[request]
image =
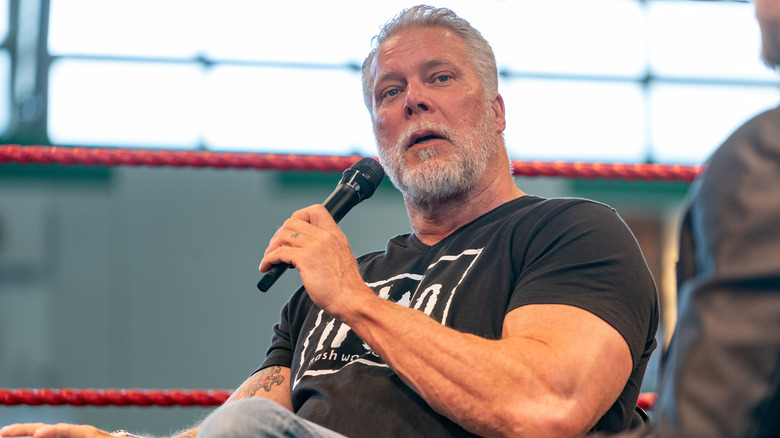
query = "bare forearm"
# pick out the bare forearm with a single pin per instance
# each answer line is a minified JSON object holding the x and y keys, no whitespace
{"x":464,"y":377}
{"x":517,"y":385}
{"x":271,"y":382}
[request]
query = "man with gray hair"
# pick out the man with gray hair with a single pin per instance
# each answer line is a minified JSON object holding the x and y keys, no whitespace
{"x":501,"y":314}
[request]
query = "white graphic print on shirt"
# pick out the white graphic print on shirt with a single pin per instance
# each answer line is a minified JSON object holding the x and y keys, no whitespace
{"x":332,"y":345}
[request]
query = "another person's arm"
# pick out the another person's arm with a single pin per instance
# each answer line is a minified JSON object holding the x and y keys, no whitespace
{"x":722,"y":371}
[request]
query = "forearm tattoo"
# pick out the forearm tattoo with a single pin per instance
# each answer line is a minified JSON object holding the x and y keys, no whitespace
{"x":265,"y":379}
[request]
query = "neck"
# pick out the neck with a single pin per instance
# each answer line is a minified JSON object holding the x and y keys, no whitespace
{"x":435,"y":220}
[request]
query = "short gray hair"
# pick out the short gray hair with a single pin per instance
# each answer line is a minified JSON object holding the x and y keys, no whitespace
{"x":484,"y":61}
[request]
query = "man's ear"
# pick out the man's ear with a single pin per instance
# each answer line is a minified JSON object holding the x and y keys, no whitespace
{"x":498,"y":110}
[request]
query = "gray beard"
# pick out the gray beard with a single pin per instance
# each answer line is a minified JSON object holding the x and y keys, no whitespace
{"x":436,"y":178}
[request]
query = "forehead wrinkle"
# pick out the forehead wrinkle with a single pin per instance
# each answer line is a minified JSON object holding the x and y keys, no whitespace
{"x":438,"y":62}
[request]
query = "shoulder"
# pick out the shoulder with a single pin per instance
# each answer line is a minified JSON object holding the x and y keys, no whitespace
{"x":752,"y":146}
{"x":745,"y":170}
{"x":539,"y":209}
{"x":573,"y":212}
{"x":733,"y":207}
{"x":537,"y":224}
{"x":552,"y":206}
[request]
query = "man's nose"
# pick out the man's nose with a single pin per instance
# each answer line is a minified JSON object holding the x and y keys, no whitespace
{"x":418,"y":100}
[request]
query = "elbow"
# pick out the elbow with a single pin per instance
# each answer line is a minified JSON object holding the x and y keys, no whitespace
{"x":554,"y":418}
{"x":560,"y":425}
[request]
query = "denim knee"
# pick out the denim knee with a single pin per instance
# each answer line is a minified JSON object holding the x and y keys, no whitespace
{"x":259,"y":418}
{"x":252,"y":417}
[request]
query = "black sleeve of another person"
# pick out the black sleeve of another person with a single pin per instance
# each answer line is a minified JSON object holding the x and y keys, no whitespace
{"x":720,"y":375}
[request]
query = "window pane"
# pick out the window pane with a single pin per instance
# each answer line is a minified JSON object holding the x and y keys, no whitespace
{"x":597,"y":37}
{"x":286,"y":110}
{"x":281,"y":32}
{"x":5,"y":98}
{"x":143,"y":28}
{"x":574,"y":120}
{"x":124,"y":104}
{"x":705,"y":39}
{"x":689,"y":122}
{"x":3,"y":20}
{"x":320,"y":110}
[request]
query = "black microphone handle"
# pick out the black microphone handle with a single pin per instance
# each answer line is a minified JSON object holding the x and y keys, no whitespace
{"x":338,"y":204}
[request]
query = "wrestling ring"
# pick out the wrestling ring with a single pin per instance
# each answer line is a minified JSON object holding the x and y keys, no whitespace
{"x":93,"y":156}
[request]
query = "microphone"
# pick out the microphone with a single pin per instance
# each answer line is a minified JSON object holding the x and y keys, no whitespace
{"x":357,"y":184}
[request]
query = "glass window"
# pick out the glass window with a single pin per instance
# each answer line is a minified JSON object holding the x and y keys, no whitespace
{"x":289,"y":110}
{"x":5,"y":70}
{"x":574,"y":120}
{"x":5,"y":98}
{"x":690,"y":121}
{"x":124,"y":104}
{"x":573,"y":37}
{"x":705,"y":40}
{"x":327,"y":33}
{"x":3,"y":20}
{"x":594,"y":80}
{"x":137,"y":28}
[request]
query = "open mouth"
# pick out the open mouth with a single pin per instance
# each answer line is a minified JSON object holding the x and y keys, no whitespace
{"x":424,"y":137}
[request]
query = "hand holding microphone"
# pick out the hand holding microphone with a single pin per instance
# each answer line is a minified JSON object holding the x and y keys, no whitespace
{"x":357,"y":184}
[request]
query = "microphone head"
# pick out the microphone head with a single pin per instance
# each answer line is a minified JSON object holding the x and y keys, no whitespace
{"x":364,"y":176}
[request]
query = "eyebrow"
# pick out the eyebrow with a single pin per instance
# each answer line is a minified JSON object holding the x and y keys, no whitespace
{"x":427,"y":65}
{"x":438,"y":62}
{"x":385,"y":76}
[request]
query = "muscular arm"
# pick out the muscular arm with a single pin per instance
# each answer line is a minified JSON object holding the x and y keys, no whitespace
{"x":543,"y":378}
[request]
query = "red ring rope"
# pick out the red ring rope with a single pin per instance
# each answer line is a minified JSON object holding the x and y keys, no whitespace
{"x":158,"y":157}
{"x":148,"y":397}
{"x":119,"y":397}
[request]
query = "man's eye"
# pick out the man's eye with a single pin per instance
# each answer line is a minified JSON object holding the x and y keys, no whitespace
{"x":391,"y":93}
{"x":442,"y":78}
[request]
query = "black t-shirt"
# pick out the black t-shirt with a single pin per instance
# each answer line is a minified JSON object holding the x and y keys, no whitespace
{"x":528,"y":251}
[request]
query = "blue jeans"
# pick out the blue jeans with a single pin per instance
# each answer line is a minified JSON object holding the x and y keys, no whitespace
{"x":258,"y":417}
